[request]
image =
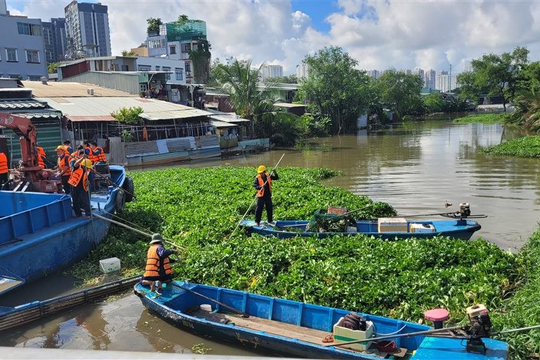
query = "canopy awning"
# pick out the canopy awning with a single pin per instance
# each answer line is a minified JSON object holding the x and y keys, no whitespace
{"x":222,"y":124}
{"x":173,"y":114}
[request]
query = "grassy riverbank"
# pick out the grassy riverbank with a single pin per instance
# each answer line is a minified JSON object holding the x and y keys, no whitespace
{"x":528,"y":146}
{"x":482,"y":119}
{"x":199,"y":208}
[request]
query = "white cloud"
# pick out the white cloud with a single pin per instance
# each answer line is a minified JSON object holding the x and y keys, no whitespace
{"x":379,"y":34}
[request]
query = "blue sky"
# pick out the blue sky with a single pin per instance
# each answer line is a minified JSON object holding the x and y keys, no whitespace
{"x":318,"y":10}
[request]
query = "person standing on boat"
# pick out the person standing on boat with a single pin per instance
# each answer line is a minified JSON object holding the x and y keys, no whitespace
{"x":4,"y":169}
{"x":97,"y":154}
{"x":80,"y":185}
{"x":67,"y":145}
{"x":263,"y":184}
{"x":64,"y":167}
{"x":158,"y":265}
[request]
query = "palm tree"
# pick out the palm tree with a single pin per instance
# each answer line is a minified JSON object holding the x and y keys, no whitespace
{"x":527,"y":114}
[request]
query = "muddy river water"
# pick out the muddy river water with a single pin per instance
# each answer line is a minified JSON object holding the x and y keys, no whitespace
{"x":416,"y":168}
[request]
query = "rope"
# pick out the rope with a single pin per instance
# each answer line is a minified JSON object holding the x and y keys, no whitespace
{"x":255,"y":198}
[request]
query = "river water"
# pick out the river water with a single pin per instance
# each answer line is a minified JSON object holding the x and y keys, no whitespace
{"x":416,"y":168}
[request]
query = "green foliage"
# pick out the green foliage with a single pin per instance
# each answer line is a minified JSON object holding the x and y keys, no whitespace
{"x":128,"y":115}
{"x":482,"y":119}
{"x":52,"y":68}
{"x":400,"y":92}
{"x":282,"y":128}
{"x":126,"y":136}
{"x":199,"y":208}
{"x":128,"y":53}
{"x":153,"y":25}
{"x":200,"y":57}
{"x":311,"y":127}
{"x":522,"y":308}
{"x":433,"y":103}
{"x":522,"y":147}
{"x":290,"y":79}
{"x":527,"y":114}
{"x":335,"y":89}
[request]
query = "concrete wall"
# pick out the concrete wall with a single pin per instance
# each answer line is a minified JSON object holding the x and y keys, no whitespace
{"x":119,"y":81}
{"x":10,"y":38}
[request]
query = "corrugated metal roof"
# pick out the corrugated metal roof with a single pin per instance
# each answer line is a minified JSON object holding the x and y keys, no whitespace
{"x":42,"y":115}
{"x":100,"y":108}
{"x":226,"y":117}
{"x":70,"y":89}
{"x":222,"y":124}
{"x":21,"y":104}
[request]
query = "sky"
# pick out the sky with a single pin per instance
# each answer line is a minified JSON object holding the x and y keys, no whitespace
{"x":379,"y":34}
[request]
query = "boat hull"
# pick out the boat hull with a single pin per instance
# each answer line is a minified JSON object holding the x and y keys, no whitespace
{"x":458,"y":229}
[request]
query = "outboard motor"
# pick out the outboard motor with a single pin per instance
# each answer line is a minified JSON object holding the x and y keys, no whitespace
{"x":465,"y":210}
{"x":479,"y":327}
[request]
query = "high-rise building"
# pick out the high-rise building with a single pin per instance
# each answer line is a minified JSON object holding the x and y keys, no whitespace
{"x":302,"y":71}
{"x":374,"y":74}
{"x":419,"y":72}
{"x":430,"y":77}
{"x":54,"y":35}
{"x":87,"y":30}
{"x":271,"y":71}
{"x":3,"y":7}
{"x":446,"y":82}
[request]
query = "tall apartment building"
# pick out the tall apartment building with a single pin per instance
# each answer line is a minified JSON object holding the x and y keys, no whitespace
{"x":446,"y":82}
{"x":302,"y":71}
{"x":419,"y":72}
{"x":54,"y":35}
{"x":176,"y":40}
{"x":375,"y":74}
{"x":87,"y":30}
{"x":271,"y":71}
{"x":22,"y":51}
{"x":430,"y":77}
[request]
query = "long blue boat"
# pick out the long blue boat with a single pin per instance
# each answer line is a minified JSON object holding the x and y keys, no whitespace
{"x":293,"y":328}
{"x":459,"y":229}
{"x":39,"y":233}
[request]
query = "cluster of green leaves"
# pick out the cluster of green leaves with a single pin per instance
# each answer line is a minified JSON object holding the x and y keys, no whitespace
{"x":447,"y":103}
{"x":198,"y":209}
{"x":128,"y":115}
{"x":482,"y":119}
{"x":528,"y":146}
{"x":401,"y":92}
{"x":153,"y":25}
{"x":522,"y":308}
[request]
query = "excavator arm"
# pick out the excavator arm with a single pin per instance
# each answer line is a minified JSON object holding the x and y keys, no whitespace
{"x":27,"y":138}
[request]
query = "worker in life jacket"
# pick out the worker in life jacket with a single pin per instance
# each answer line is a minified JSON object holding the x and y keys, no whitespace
{"x":158,"y":265}
{"x":41,"y":157}
{"x":97,"y":154}
{"x":67,"y":145}
{"x":80,"y":184}
{"x":263,"y":184}
{"x":4,"y":170}
{"x":64,"y":167}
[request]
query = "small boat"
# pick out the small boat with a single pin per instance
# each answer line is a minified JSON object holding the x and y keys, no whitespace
{"x":39,"y":233}
{"x":459,"y":229}
{"x":292,"y":328}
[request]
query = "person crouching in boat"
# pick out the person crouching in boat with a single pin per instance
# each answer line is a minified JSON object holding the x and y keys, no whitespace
{"x":158,"y":265}
{"x":263,"y":184}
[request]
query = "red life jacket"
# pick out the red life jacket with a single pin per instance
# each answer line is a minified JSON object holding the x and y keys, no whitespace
{"x":3,"y":163}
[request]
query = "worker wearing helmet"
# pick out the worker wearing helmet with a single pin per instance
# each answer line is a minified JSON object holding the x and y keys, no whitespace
{"x":80,"y":185}
{"x":263,"y":184}
{"x":64,"y":167}
{"x":158,"y":265}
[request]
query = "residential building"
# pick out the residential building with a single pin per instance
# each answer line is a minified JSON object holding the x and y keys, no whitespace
{"x":22,"y":51}
{"x":142,"y":50}
{"x":430,"y":77}
{"x":446,"y":82}
{"x":375,"y":74}
{"x":419,"y":72}
{"x":87,"y":30}
{"x":271,"y":71}
{"x":302,"y":71}
{"x":177,"y":41}
{"x":54,"y":35}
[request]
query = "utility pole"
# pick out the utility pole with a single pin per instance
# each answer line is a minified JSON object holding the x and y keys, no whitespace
{"x":450,"y":80}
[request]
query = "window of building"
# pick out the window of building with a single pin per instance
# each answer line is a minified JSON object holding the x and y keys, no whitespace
{"x":156,"y":44}
{"x":143,"y":87}
{"x":188,"y":67}
{"x":34,"y":77}
{"x":186,"y":47}
{"x":167,"y":76}
{"x":144,"y":68}
{"x":14,"y":76}
{"x":32,"y":56}
{"x":158,"y":68}
{"x":11,"y":55}
{"x":172,"y":49}
{"x":29,"y":29}
{"x":179,"y":73}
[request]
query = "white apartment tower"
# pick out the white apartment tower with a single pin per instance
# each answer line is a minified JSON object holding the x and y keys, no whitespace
{"x":87,"y":29}
{"x":271,"y":71}
{"x":302,"y":71}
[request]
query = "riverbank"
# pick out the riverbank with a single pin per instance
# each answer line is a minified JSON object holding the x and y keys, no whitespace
{"x":498,"y":118}
{"x":199,"y":208}
{"x":528,"y":146}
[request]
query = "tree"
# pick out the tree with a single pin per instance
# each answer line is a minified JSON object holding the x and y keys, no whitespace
{"x":52,"y":68}
{"x":153,"y":25}
{"x":128,"y":115}
{"x":128,"y":53}
{"x":290,"y":79}
{"x":335,"y":89}
{"x":433,"y":103}
{"x":200,"y":57}
{"x":401,"y":92}
{"x":495,"y":75}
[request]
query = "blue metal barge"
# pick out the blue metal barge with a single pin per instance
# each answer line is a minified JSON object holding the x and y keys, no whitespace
{"x":39,"y":234}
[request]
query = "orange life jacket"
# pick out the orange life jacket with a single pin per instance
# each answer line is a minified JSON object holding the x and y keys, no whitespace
{"x":3,"y":163}
{"x":260,"y":193}
{"x":91,"y":156}
{"x":77,"y":176}
{"x":41,"y":156}
{"x":99,"y":157}
{"x":153,"y":263}
{"x":63,"y":167}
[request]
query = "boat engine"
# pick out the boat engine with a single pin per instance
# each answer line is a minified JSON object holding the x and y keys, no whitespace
{"x":479,"y":327}
{"x":465,"y":210}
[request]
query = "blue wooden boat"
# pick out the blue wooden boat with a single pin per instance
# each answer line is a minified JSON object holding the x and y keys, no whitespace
{"x":292,"y":328}
{"x":459,"y":229}
{"x":39,"y":233}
